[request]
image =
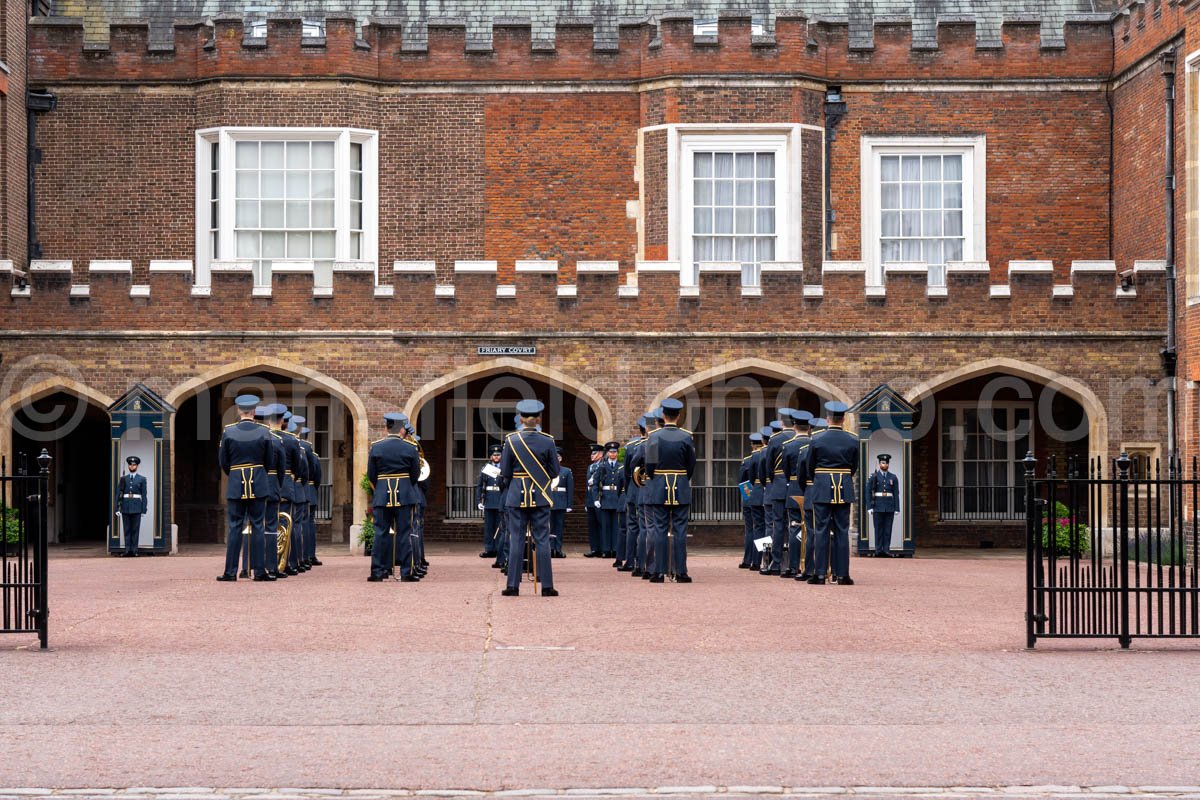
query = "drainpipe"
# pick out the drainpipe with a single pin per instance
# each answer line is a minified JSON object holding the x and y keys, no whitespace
{"x":1169,"y":355}
{"x":36,"y":102}
{"x":835,"y":110}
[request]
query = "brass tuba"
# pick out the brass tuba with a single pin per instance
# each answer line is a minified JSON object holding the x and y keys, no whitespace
{"x":425,"y":470}
{"x":639,"y":476}
{"x":283,"y":543}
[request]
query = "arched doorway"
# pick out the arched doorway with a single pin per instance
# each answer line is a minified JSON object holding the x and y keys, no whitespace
{"x":205,"y":405}
{"x":459,"y":415}
{"x":973,"y":427}
{"x":723,"y":406}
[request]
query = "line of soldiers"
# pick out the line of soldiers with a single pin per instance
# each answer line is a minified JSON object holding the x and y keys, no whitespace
{"x":394,"y":468}
{"x":273,"y":474}
{"x":797,"y":487}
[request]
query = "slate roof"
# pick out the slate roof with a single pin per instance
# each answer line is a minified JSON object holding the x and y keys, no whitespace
{"x":478,"y":15}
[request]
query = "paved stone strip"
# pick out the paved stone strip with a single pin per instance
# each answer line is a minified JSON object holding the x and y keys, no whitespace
{"x":675,"y":792}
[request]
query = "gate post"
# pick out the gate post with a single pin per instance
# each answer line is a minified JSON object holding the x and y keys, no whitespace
{"x":1030,"y":532}
{"x":40,"y":555}
{"x":1123,"y":528}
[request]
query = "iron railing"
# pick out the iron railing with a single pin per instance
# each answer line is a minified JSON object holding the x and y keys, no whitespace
{"x":460,"y":503}
{"x":957,"y":503}
{"x":325,"y":502}
{"x":1111,"y":552}
{"x":23,"y":544}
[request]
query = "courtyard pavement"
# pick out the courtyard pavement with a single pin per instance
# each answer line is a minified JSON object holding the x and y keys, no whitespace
{"x":159,"y":676}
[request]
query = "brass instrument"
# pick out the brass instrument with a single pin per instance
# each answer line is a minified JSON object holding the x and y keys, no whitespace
{"x":425,"y":470}
{"x":640,"y":477}
{"x":283,"y":542}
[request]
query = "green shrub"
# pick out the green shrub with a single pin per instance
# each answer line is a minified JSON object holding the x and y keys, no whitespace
{"x":1061,"y":546}
{"x":366,"y":536}
{"x":12,"y":526}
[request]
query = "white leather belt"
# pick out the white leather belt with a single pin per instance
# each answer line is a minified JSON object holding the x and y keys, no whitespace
{"x":561,"y":489}
{"x":610,"y":488}
{"x":883,"y":494}
{"x":492,"y":489}
{"x":130,"y":496}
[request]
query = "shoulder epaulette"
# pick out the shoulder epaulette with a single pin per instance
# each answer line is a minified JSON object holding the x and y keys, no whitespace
{"x":543,"y":433}
{"x":747,"y":458}
{"x":231,"y":425}
{"x":685,"y":430}
{"x":377,"y":441}
{"x":275,"y":433}
{"x":508,"y":436}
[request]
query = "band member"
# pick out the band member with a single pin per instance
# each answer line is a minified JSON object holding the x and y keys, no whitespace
{"x":314,"y":483}
{"x":393,"y":466}
{"x":300,"y":504}
{"x":775,"y":483}
{"x":421,"y":563}
{"x":758,"y":510}
{"x":275,"y":477}
{"x":883,"y":501}
{"x":244,"y":456}
{"x":528,"y":465}
{"x":591,"y":497}
{"x":747,"y":483}
{"x":799,"y":527}
{"x":815,"y":426}
{"x":670,"y":461}
{"x":490,"y":501}
{"x":131,"y":505}
{"x":610,"y":476}
{"x":563,"y":496}
{"x":502,"y":539}
{"x":291,"y":493}
{"x":654,"y":422}
{"x":633,"y":504}
{"x":833,"y":463}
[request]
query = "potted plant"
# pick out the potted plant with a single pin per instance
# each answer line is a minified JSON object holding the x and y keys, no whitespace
{"x":10,"y":542}
{"x":366,"y":534}
{"x":1057,"y":538}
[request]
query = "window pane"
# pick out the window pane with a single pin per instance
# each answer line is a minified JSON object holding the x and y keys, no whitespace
{"x":890,"y":250}
{"x":745,"y":193}
{"x":932,"y":195}
{"x":323,"y":245}
{"x":247,"y":214}
{"x":322,"y":185}
{"x":954,"y":249}
{"x":890,"y":223}
{"x":298,"y":245}
{"x":744,"y":251}
{"x":297,"y":186}
{"x":910,"y":223}
{"x":702,"y":220}
{"x":703,"y":165}
{"x":910,"y":250}
{"x":745,"y":165}
{"x":356,"y":245}
{"x":297,"y":214}
{"x":889,"y":168}
{"x":911,"y":195}
{"x":766,"y":249}
{"x":702,"y":245}
{"x":766,"y":165}
{"x":952,"y":195}
{"x":356,"y":217}
{"x":356,"y":155}
{"x":953,"y":221}
{"x":766,"y":220}
{"x":247,"y":155}
{"x":766,"y":193}
{"x":322,"y":155}
{"x":272,"y":214}
{"x":322,"y":214}
{"x":723,"y":220}
{"x":724,"y":193}
{"x":272,"y":245}
{"x":272,"y":184}
{"x":931,"y":223}
{"x":889,"y":195}
{"x":931,"y":251}
{"x":910,"y":168}
{"x":724,"y":165}
{"x":247,"y":245}
{"x":356,"y":185}
{"x":702,"y":193}
{"x":931,"y":168}
{"x":297,"y":155}
{"x":745,"y":220}
{"x":952,"y":168}
{"x":247,"y":184}
{"x":723,"y":249}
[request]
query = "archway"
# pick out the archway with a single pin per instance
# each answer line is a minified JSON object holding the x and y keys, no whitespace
{"x":333,"y":411}
{"x":70,"y":420}
{"x":460,"y":414}
{"x":974,"y":426}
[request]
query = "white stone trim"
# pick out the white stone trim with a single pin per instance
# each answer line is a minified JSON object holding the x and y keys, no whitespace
{"x":81,"y":290}
{"x":201,"y":291}
{"x":905,"y":268}
{"x":1150,"y":266}
{"x":1093,"y":267}
{"x":936,"y":292}
{"x":100,"y":265}
{"x":166,"y":265}
{"x":545,"y":267}
{"x":385,"y":291}
{"x":1000,"y":290}
{"x":6,"y":265}
{"x":720,"y":267}
{"x":627,"y":291}
{"x":843,"y":266}
{"x":1062,"y":291}
{"x":597,"y":267}
{"x":782,"y":267}
{"x":689,"y":292}
{"x":356,"y":267}
{"x":875,"y":290}
{"x":506,"y":290}
{"x":246,"y":267}
{"x":567,"y":290}
{"x":1030,"y":268}
{"x":45,"y":265}
{"x":657,"y":266}
{"x":21,"y":291}
{"x":1125,"y":294}
{"x":814,"y":290}
{"x":322,"y":291}
{"x":475,"y":266}
{"x":292,"y":265}
{"x":260,"y":291}
{"x":443,"y":290}
{"x":414,"y":267}
{"x":751,"y":291}
{"x":968,"y":268}
{"x":139,"y":290}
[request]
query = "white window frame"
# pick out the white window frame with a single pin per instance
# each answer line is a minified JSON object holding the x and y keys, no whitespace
{"x":471,"y":406}
{"x":1014,"y":467}
{"x":227,"y":138}
{"x":973,"y":149}
{"x":685,"y":140}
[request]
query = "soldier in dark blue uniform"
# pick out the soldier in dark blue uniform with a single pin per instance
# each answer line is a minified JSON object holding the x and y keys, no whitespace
{"x":833,"y":462}
{"x":490,"y":501}
{"x":528,"y":465}
{"x":420,"y":563}
{"x":291,"y":490}
{"x":393,"y":467}
{"x":775,"y":487}
{"x":300,"y":505}
{"x":502,"y":539}
{"x":272,"y":416}
{"x":883,"y":501}
{"x":244,"y":455}
{"x":609,"y":477}
{"x":746,"y":484}
{"x":314,"y":484}
{"x":564,"y":498}
{"x":654,"y":422}
{"x":590,"y":496}
{"x":670,"y":462}
{"x":758,"y":496}
{"x":799,"y":521}
{"x":633,"y":504}
{"x":131,"y":504}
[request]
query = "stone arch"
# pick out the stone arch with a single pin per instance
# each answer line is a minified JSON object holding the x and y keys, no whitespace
{"x":36,"y":391}
{"x":247,"y":366}
{"x":1072,"y":388}
{"x":527,"y":369}
{"x":755,"y":366}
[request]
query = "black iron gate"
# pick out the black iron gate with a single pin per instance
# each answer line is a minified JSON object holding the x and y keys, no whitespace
{"x":1111,"y":551}
{"x":23,"y":549}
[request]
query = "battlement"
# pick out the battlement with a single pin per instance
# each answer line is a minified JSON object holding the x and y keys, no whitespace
{"x":582,"y":296}
{"x":393,"y":50}
{"x":1142,"y":27}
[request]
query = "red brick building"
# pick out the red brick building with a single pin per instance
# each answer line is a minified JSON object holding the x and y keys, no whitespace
{"x":364,"y":210}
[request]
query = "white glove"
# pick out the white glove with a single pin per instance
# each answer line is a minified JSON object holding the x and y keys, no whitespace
{"x":480,"y":506}
{"x":570,"y":509}
{"x":596,"y":503}
{"x":870,"y":511}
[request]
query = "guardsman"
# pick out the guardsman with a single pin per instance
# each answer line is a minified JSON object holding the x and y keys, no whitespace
{"x":421,"y":564}
{"x":131,"y":504}
{"x":262,"y":415}
{"x":300,"y":504}
{"x":833,"y":463}
{"x":291,"y":491}
{"x":747,"y":482}
{"x":633,"y":504}
{"x":314,"y":484}
{"x":883,"y":501}
{"x":799,"y":526}
{"x":564,"y":496}
{"x":670,"y":462}
{"x":590,"y":497}
{"x":654,"y":422}
{"x":393,"y":466}
{"x":528,"y":466}
{"x":775,"y":483}
{"x":609,"y":476}
{"x":816,"y":425}
{"x":758,"y":493}
{"x":618,"y":551}
{"x":502,"y":539}
{"x":244,"y":453}
{"x":490,"y":501}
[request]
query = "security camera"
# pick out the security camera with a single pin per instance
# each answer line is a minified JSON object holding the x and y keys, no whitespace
{"x":1126,"y":278}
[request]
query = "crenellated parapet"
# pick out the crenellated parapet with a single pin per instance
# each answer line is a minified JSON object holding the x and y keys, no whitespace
{"x":836,"y":49}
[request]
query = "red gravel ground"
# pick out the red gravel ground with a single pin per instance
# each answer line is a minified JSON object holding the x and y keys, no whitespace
{"x":917,"y":676}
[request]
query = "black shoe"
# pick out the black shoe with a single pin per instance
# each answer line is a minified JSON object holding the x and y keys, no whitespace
{"x":244,"y":574}
{"x":626,"y":568}
{"x":315,"y":563}
{"x":618,"y":564}
{"x":424,"y":563}
{"x":647,"y":576}
{"x":504,"y":570}
{"x":496,"y":565}
{"x":802,"y":577}
{"x":774,"y":572}
{"x":279,"y":575}
{"x":409,"y":578}
{"x":511,"y":592}
{"x":227,"y":577}
{"x":816,"y":580}
{"x":637,"y":572}
{"x":375,"y":578}
{"x":591,"y":554}
{"x":743,"y":565}
{"x":658,"y":577}
{"x":787,"y":573}
{"x":558,"y":554}
{"x":844,"y":581}
{"x":291,"y":571}
{"x":303,"y":567}
{"x":549,"y":591}
{"x":263,"y":577}
{"x":487,"y":554}
{"x":683,"y":578}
